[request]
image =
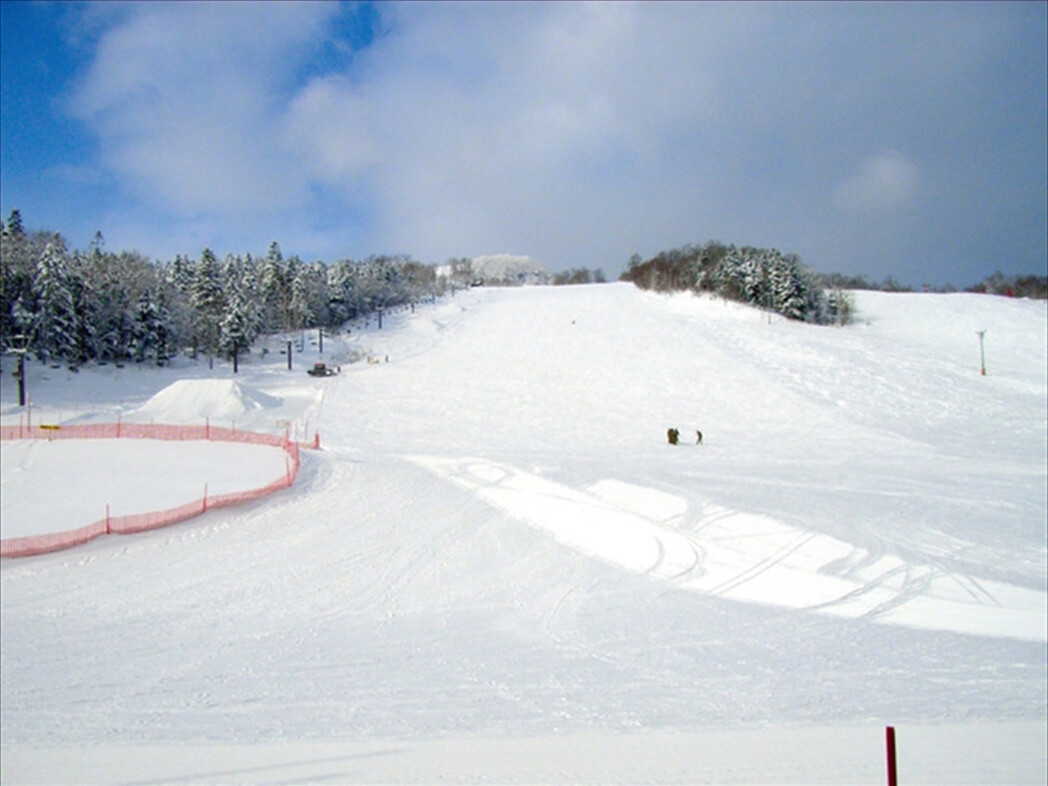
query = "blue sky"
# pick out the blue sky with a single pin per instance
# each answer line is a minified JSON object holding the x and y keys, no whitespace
{"x":896,"y":139}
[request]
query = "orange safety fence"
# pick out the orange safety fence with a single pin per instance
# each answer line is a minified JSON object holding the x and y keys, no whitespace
{"x":140,"y":522}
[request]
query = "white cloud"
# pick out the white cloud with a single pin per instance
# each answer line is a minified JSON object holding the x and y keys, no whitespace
{"x":884,"y":181}
{"x":182,"y":97}
{"x":509,"y":125}
{"x":329,"y":126}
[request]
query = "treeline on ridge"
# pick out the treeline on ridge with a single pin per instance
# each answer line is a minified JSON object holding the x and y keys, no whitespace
{"x":769,"y":279}
{"x":97,"y":305}
{"x":1028,"y":286}
{"x":761,"y":277}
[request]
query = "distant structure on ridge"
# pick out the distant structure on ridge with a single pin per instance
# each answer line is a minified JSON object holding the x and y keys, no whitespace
{"x":496,"y":270}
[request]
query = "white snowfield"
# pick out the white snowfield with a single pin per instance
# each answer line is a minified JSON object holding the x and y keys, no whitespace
{"x":66,"y":484}
{"x":497,"y":569}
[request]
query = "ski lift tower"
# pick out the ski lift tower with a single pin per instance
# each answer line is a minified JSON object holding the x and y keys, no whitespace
{"x":19,"y":345}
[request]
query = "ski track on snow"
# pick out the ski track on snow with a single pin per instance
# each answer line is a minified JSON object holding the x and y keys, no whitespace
{"x":749,"y":558}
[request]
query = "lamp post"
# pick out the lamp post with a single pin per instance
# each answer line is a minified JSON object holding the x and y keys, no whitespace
{"x":982,"y":351}
{"x":19,"y":346}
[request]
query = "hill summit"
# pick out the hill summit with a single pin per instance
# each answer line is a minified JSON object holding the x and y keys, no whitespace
{"x":509,"y":269}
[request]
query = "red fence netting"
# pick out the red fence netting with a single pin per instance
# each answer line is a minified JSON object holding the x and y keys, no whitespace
{"x":140,"y":522}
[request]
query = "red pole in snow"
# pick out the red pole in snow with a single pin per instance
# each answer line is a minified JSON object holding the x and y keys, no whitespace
{"x":889,"y":740}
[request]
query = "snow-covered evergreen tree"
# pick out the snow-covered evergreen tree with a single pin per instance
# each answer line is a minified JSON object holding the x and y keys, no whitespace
{"x":251,"y":294}
{"x":753,"y":270}
{"x":174,"y":290}
{"x":727,"y":277}
{"x":14,"y":226}
{"x":276,"y":290}
{"x":165,"y":328}
{"x":208,"y":299}
{"x":16,"y":282}
{"x":113,"y":284}
{"x":236,"y":334}
{"x":342,"y":292}
{"x":182,"y":274}
{"x":301,"y":307}
{"x":55,"y":331}
{"x":148,"y":331}
{"x":787,"y":294}
{"x":85,"y":305}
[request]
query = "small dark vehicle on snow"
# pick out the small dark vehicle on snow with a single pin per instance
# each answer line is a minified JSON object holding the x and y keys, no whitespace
{"x":322,"y":370}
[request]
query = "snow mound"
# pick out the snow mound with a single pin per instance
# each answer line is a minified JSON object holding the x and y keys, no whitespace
{"x":193,"y":399}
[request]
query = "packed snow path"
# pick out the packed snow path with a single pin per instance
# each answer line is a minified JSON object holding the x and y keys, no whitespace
{"x":497,"y":539}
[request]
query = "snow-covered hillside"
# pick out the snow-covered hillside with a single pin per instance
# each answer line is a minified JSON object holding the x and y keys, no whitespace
{"x":498,"y":570}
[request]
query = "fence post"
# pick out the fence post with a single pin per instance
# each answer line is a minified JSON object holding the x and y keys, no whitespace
{"x":287,"y":470}
{"x":889,"y":739}
{"x":207,"y":427}
{"x":107,"y":518}
{"x":118,"y":425}
{"x":205,"y":497}
{"x":316,"y":440}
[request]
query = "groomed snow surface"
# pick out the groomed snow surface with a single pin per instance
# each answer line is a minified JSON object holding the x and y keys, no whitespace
{"x":497,"y":569}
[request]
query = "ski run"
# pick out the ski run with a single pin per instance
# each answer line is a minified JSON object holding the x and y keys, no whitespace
{"x":496,"y":569}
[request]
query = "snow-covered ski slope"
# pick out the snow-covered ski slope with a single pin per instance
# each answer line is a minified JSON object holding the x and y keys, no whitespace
{"x":497,"y":543}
